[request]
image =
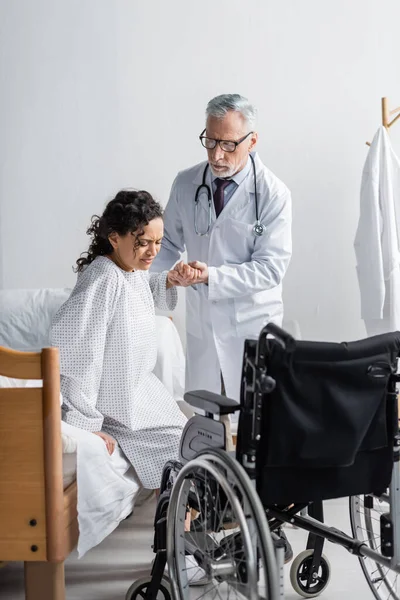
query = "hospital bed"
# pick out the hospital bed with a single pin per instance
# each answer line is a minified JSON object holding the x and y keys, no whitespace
{"x":59,"y":488}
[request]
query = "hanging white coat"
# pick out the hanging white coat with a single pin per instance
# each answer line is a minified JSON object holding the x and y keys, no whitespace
{"x":377,"y":238}
{"x":244,"y":290}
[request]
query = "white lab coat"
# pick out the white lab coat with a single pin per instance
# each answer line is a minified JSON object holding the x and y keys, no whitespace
{"x":244,"y":291}
{"x":377,"y":239}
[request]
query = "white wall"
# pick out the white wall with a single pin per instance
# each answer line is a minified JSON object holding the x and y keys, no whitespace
{"x":99,"y":94}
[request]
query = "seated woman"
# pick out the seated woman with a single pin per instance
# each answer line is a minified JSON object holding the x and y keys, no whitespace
{"x":107,"y":338}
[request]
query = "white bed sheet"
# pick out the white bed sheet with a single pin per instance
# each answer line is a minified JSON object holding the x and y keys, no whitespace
{"x":107,"y":487}
{"x":69,"y":437}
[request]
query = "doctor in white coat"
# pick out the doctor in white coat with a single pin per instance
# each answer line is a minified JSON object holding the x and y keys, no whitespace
{"x":233,"y":217}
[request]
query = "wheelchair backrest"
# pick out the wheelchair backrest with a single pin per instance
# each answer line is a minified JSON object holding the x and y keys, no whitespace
{"x":329,"y":402}
{"x":328,"y":428}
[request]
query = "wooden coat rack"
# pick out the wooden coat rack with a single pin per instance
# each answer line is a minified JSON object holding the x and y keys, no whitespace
{"x":386,"y":114}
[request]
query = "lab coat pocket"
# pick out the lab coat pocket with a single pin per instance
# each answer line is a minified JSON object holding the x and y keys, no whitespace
{"x":241,"y":240}
{"x":242,"y":227}
{"x":194,"y":311}
{"x":241,"y":231}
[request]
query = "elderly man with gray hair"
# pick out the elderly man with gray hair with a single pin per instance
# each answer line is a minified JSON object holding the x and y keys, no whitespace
{"x":232,"y":216}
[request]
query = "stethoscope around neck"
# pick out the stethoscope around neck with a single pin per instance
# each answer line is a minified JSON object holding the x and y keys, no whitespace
{"x":258,"y":228}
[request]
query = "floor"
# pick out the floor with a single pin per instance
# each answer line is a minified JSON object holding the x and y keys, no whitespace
{"x":107,"y":571}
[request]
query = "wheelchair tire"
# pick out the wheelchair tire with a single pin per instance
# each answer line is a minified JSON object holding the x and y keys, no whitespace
{"x":138,"y":589}
{"x":299,"y":572}
{"x":229,"y":561}
{"x":365,"y":526}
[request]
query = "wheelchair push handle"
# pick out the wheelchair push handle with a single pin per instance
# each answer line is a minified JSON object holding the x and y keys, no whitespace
{"x":283,"y":337}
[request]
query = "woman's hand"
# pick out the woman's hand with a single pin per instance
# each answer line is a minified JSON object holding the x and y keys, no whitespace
{"x":109,"y":441}
{"x":183,"y":275}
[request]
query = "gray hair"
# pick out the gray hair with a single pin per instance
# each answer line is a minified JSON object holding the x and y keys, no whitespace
{"x":220,"y":105}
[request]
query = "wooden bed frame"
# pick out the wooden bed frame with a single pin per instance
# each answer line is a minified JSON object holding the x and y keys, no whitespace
{"x":38,"y":518}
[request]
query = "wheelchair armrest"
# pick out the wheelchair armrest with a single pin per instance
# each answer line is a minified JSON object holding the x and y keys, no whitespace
{"x":211,"y":403}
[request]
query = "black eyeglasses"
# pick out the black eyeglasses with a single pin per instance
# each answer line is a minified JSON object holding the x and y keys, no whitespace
{"x":225,"y":145}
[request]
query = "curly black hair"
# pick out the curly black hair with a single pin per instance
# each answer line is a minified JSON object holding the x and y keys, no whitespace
{"x":129,"y":211}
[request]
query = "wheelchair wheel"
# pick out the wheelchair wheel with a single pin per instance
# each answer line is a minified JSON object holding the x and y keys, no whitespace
{"x":228,"y":549}
{"x":300,"y":571}
{"x":365,"y":526}
{"x":138,"y":589}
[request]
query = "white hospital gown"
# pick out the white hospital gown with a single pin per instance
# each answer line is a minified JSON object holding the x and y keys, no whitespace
{"x":107,"y":340}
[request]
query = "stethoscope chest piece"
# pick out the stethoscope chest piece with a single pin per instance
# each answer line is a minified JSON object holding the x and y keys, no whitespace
{"x":258,"y":229}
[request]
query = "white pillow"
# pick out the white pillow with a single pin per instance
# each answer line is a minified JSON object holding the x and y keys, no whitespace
{"x":26,"y":316}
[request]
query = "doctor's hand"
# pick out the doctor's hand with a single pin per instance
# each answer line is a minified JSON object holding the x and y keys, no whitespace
{"x":202,"y":269}
{"x":183,"y":275}
{"x":108,"y":440}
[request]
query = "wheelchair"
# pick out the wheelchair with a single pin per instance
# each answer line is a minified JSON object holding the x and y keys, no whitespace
{"x":317,"y":421}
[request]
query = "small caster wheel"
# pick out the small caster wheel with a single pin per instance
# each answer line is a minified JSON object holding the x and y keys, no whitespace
{"x":300,"y":571}
{"x":138,"y":589}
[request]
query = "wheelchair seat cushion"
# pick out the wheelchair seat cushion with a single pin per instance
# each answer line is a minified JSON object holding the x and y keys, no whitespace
{"x":329,"y":409}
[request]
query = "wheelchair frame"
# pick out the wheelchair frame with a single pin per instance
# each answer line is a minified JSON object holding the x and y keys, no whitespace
{"x":256,"y":384}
